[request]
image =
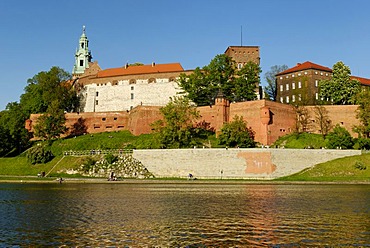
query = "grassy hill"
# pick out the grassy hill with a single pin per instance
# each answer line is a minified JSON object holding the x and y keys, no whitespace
{"x":301,"y":141}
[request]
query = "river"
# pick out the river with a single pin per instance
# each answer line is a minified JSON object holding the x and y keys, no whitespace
{"x":184,"y":215}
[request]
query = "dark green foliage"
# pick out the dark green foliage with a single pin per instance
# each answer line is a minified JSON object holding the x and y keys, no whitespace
{"x":363,"y":113}
{"x":179,"y":128}
{"x":340,"y":138}
{"x":39,"y":154}
{"x":87,"y":164}
{"x":51,"y":124}
{"x":237,"y":134}
{"x":360,"y":165}
{"x":221,"y":75}
{"x":364,"y":143}
{"x":110,"y":158}
{"x":270,"y":89}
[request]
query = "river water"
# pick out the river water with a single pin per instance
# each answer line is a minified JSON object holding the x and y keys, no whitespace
{"x":184,"y":215}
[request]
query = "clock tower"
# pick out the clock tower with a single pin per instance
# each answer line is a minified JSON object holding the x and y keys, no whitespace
{"x":82,"y":55}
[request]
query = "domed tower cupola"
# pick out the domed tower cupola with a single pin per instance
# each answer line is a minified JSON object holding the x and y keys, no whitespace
{"x":82,"y":55}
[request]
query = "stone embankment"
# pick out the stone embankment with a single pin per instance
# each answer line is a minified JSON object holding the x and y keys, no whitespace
{"x":257,"y":163}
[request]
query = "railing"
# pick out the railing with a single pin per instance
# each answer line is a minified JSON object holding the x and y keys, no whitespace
{"x":97,"y":152}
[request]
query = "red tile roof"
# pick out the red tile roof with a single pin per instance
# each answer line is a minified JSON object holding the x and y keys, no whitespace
{"x":140,"y":69}
{"x":363,"y":81}
{"x":305,"y":66}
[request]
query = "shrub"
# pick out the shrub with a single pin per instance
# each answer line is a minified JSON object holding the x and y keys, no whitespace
{"x":364,"y":143}
{"x":236,"y":133}
{"x":110,"y":158}
{"x":39,"y":154}
{"x":87,"y":164}
{"x":340,"y":138}
{"x":360,"y":165}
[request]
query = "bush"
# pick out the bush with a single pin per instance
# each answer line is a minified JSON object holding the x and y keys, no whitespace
{"x":39,"y":154}
{"x":340,"y":138}
{"x":87,"y":164}
{"x":360,"y":166}
{"x":363,"y":143}
{"x":110,"y":158}
{"x":236,"y":133}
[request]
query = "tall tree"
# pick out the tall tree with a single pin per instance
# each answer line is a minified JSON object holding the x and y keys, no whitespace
{"x":176,"y":128}
{"x":221,"y":74}
{"x":270,"y":88}
{"x":46,"y":87}
{"x":51,"y":124}
{"x":322,"y":119}
{"x":363,"y":114}
{"x":340,"y":89}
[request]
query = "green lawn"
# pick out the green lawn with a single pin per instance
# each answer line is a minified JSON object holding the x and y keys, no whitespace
{"x":343,"y":169}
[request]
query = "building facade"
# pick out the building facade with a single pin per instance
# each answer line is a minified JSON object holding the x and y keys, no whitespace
{"x":300,"y":84}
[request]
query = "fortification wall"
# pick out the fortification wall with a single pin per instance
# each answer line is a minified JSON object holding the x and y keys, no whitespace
{"x":234,"y":163}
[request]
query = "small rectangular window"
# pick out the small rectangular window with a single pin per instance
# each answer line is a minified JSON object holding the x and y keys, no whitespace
{"x":281,"y":87}
{"x":317,"y":96}
{"x":287,"y":86}
{"x":287,"y":99}
{"x":97,"y":93}
{"x":96,"y":102}
{"x":293,"y":98}
{"x":299,"y":97}
{"x":132,"y":96}
{"x":299,"y":85}
{"x":281,"y":99}
{"x":81,"y":62}
{"x":132,"y":87}
{"x":316,"y":83}
{"x":293,"y":86}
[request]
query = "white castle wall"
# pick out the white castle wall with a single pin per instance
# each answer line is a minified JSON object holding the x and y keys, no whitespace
{"x":118,"y":97}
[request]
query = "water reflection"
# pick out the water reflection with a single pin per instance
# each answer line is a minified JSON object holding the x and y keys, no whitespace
{"x":180,"y":215}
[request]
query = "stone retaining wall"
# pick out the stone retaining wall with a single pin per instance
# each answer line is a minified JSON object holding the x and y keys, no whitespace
{"x":240,"y":163}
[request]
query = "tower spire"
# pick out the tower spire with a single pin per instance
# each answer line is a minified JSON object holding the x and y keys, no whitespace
{"x":82,"y":55}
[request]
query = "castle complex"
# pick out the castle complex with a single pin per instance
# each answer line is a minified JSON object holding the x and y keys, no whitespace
{"x":130,"y":97}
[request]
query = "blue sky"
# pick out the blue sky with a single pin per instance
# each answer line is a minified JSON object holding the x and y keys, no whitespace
{"x":36,"y":35}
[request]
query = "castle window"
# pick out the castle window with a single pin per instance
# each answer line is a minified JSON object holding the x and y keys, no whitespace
{"x":82,"y":45}
{"x":132,"y":96}
{"x":281,"y":87}
{"x":131,"y":107}
{"x":132,"y":87}
{"x":287,"y":99}
{"x":151,"y":80}
{"x":293,"y":98}
{"x":299,"y":74}
{"x":299,"y":85}
{"x":240,"y":65}
{"x":281,"y":99}
{"x":97,"y":93}
{"x":305,"y":73}
{"x":96,"y":102}
{"x":115,"y":82}
{"x":299,"y":97}
{"x":81,"y":62}
{"x":281,"y":77}
{"x":172,"y":79}
{"x":132,"y":81}
{"x":293,"y":86}
{"x":287,"y":86}
{"x":115,"y":118}
{"x":316,"y":83}
{"x":317,"y":96}
{"x":103,"y":119}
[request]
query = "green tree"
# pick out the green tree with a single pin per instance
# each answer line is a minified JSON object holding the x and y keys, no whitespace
{"x":340,"y":89}
{"x":339,"y":137}
{"x":302,"y":119}
{"x":51,"y":124}
{"x":363,"y":114}
{"x":236,"y":133}
{"x":178,"y":128}
{"x":221,"y":75}
{"x":270,"y":88}
{"x":47,"y":87}
{"x":12,"y":123}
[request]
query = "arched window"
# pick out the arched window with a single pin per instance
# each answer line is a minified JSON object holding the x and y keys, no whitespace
{"x":172,"y":79}
{"x":151,"y":80}
{"x":132,"y":81}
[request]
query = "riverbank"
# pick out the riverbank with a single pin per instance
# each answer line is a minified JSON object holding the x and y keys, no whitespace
{"x":53,"y":180}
